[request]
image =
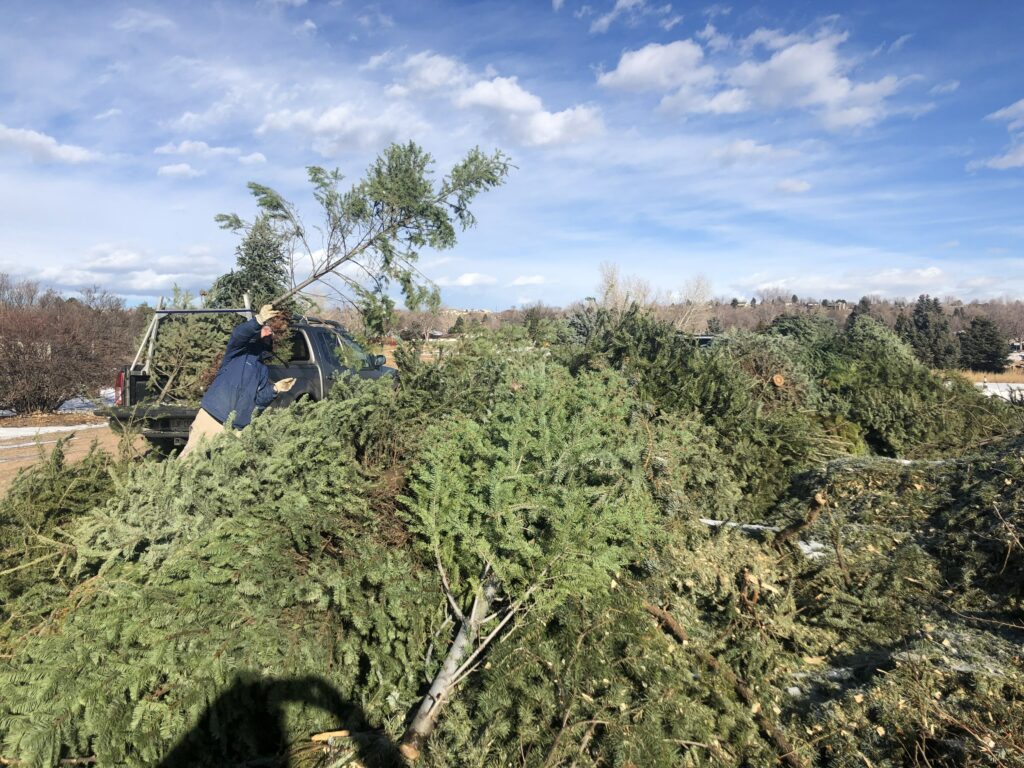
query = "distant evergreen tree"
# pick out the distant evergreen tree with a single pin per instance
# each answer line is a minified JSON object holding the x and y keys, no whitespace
{"x":983,"y":347}
{"x":927,"y":331}
{"x":261,"y":261}
{"x":861,"y":309}
{"x":715,"y":326}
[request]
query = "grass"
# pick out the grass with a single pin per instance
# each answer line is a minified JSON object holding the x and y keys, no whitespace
{"x":1009,"y":376}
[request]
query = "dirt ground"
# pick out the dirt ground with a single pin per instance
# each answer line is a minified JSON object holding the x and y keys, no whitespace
{"x":17,"y":453}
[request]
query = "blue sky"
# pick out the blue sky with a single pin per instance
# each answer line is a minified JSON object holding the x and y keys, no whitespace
{"x":828,"y":151}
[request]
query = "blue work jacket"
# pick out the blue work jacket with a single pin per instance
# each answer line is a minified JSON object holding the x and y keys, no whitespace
{"x":243,"y":380}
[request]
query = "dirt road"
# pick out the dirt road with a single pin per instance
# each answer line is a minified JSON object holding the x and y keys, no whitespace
{"x":24,"y":441}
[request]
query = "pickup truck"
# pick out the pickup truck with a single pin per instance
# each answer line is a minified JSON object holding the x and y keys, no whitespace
{"x":320,"y":350}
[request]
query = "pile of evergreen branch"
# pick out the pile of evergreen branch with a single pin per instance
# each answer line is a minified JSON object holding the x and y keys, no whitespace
{"x":795,"y":547}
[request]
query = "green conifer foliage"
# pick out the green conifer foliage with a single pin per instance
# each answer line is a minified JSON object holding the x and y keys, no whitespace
{"x":261,"y":269}
{"x":41,"y":505}
{"x":983,"y":347}
{"x":322,"y":565}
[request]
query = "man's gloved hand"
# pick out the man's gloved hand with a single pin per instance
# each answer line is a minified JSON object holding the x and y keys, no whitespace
{"x":284,"y":385}
{"x":266,"y":312}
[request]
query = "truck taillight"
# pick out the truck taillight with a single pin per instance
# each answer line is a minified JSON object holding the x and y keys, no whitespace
{"x":119,"y":389}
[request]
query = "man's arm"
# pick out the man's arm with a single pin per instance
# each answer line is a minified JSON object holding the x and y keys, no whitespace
{"x":265,"y":392}
{"x":240,"y":338}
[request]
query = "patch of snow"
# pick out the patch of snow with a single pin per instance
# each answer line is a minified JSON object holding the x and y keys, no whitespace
{"x":1003,"y":390}
{"x":8,"y":433}
{"x":812,"y":549}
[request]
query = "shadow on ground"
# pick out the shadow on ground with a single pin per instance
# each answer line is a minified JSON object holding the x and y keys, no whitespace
{"x":245,"y":726}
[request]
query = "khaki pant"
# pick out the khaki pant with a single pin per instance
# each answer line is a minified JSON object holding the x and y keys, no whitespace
{"x":204,"y":428}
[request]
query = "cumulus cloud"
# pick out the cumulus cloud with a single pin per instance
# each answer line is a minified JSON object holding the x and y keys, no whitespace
{"x":129,"y":271}
{"x":811,"y":74}
{"x":138,"y":20}
{"x":522,"y":113}
{"x":429,"y":71}
{"x":780,"y":72}
{"x":196,"y":148}
{"x":344,"y":125}
{"x":107,"y":115}
{"x":42,"y":147}
{"x":178,"y":171}
{"x":793,"y":186}
{"x":660,"y":67}
{"x":308,"y":27}
{"x":501,"y":93}
{"x":715,"y":40}
{"x":252,"y":159}
{"x":467,"y":280}
{"x":529,"y":280}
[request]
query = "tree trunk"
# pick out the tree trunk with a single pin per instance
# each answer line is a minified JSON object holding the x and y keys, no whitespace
{"x":423,"y":723}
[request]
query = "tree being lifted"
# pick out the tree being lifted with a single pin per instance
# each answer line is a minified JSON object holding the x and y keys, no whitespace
{"x":372,"y":234}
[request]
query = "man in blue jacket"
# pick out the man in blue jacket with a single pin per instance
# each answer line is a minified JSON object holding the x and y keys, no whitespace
{"x":243,"y":381}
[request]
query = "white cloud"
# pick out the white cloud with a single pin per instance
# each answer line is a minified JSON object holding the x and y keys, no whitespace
{"x":467,"y":280}
{"x":669,"y":23}
{"x":570,"y":125}
{"x":44,"y":148}
{"x":660,"y":67}
{"x":1014,"y":156}
{"x":556,"y":5}
{"x":106,"y":257}
{"x":747,"y":150}
{"x":715,"y":40}
{"x":772,"y":39}
{"x":524,"y":116}
{"x":689,"y":99}
{"x":428,"y":71}
{"x":896,"y":278}
{"x":197,"y":148}
{"x":899,"y":42}
{"x":811,"y":74}
{"x":793,"y":186}
{"x":308,"y":27}
{"x":252,"y":159}
{"x":108,"y":114}
{"x":137,"y":20}
{"x":529,"y":280}
{"x":603,"y":22}
{"x":291,"y":3}
{"x":798,"y":73}
{"x":345,"y":126}
{"x":178,"y":171}
{"x":379,"y":60}
{"x":502,"y":93}
{"x":1013,"y":113}
{"x":947,"y":87}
